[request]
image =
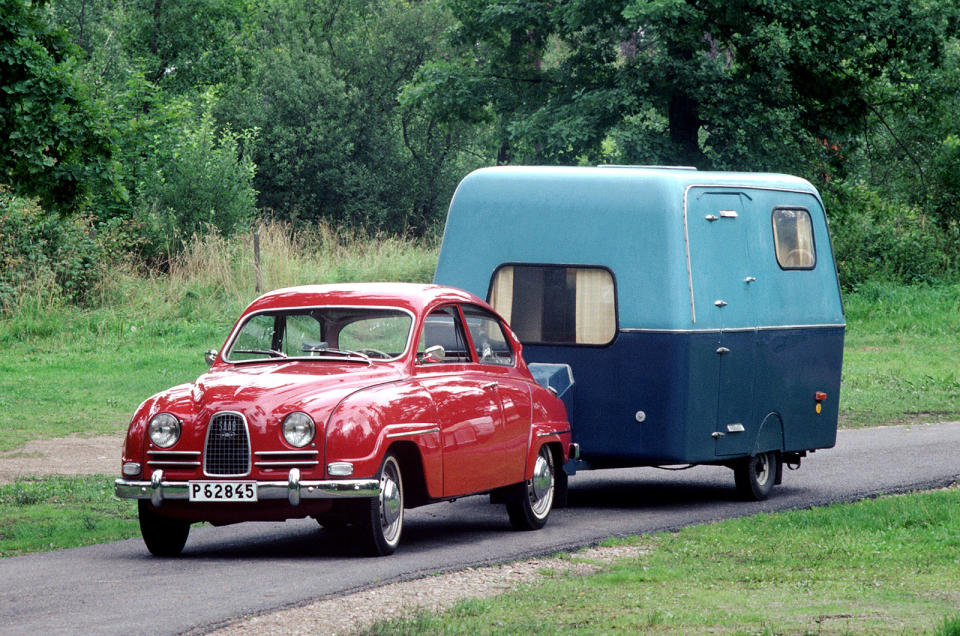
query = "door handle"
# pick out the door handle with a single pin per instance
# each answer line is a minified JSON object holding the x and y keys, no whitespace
{"x":720,"y":303}
{"x":722,"y":350}
{"x":490,"y":385}
{"x":750,"y":279}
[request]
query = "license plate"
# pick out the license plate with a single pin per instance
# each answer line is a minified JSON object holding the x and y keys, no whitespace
{"x":222,"y":490}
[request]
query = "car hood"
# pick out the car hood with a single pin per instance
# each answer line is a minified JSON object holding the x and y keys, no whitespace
{"x":266,"y":392}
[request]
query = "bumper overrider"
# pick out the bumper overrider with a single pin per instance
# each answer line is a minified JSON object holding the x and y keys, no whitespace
{"x":292,"y":489}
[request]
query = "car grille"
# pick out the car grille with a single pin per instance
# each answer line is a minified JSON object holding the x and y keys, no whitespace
{"x":228,"y":448}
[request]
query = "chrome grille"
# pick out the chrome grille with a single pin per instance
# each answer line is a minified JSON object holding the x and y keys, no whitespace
{"x":227,"y":450}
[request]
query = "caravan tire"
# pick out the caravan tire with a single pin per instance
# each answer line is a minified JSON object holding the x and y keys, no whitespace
{"x":756,"y":475}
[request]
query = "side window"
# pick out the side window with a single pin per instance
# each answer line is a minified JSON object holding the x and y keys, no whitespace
{"x":442,"y":327}
{"x":556,"y":304}
{"x":488,"y":338}
{"x":793,"y":238}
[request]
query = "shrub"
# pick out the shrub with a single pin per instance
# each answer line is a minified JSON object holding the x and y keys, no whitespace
{"x":44,"y":254}
{"x":878,"y":239}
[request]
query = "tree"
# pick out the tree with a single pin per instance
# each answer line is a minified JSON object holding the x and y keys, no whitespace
{"x":335,"y":141}
{"x":711,"y":83}
{"x":54,"y":143}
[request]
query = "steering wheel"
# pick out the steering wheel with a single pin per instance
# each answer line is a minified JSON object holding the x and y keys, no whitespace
{"x":374,"y":353}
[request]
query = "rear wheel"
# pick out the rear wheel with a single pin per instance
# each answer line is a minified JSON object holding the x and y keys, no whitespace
{"x":756,"y":475}
{"x":530,"y":505}
{"x":381,"y":518}
{"x":163,"y":536}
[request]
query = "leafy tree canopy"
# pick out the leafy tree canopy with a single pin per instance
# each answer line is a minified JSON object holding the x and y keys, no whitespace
{"x":745,"y":84}
{"x":54,"y":144}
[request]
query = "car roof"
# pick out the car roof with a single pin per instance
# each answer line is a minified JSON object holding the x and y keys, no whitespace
{"x":411,"y":296}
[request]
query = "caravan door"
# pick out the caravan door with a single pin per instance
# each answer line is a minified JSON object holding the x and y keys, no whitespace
{"x":719,"y":225}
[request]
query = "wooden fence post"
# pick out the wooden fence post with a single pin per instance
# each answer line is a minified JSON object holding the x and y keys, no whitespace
{"x":256,"y":258}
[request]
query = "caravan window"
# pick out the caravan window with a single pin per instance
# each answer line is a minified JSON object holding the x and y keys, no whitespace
{"x":793,"y":238}
{"x":556,"y":304}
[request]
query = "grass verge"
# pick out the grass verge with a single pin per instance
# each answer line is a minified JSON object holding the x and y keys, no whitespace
{"x":877,"y":566}
{"x":52,"y":513}
{"x":901,"y":360}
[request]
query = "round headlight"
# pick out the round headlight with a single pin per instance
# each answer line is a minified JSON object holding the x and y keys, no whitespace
{"x":298,"y":429}
{"x":164,"y":430}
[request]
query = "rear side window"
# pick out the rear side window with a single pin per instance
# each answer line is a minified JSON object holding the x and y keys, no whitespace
{"x":793,"y":238}
{"x":489,"y":341}
{"x":556,"y":304}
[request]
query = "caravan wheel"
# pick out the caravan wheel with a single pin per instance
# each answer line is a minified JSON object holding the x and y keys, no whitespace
{"x":756,"y":475}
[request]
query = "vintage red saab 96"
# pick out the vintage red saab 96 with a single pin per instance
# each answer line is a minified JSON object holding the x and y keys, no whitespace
{"x":348,"y":403}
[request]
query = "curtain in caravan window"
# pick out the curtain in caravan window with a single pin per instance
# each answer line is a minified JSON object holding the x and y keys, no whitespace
{"x":596,"y":309}
{"x":501,"y":296}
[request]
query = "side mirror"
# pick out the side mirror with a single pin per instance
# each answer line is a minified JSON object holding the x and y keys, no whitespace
{"x":210,"y":355}
{"x":433,"y":354}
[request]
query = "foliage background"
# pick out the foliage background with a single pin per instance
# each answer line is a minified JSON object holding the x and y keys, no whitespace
{"x":131,"y":126}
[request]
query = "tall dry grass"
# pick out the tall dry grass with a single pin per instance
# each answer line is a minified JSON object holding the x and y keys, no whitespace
{"x":214,"y":277}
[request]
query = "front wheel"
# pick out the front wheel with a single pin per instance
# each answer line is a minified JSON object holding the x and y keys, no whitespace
{"x":381,"y":518}
{"x":530,"y":506}
{"x":163,"y":536}
{"x":756,"y":475}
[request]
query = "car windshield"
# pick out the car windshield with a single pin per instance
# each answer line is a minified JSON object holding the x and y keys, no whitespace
{"x":328,"y":333}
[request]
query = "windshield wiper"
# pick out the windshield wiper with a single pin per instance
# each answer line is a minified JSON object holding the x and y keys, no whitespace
{"x":340,"y":352}
{"x":264,"y":352}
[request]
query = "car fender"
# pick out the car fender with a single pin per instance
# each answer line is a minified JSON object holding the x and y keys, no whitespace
{"x":367,"y":422}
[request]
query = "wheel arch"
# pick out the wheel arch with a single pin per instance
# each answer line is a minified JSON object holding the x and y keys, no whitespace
{"x":415,"y":491}
{"x":770,"y":435}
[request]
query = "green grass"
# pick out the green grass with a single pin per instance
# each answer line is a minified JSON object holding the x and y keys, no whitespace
{"x":878,"y":566}
{"x":62,"y":512}
{"x":902,"y":355}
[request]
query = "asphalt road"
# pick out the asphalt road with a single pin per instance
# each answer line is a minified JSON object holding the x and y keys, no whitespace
{"x":118,"y":588}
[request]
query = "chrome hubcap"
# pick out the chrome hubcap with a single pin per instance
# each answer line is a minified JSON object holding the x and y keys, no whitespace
{"x":540,"y":486}
{"x":391,"y":502}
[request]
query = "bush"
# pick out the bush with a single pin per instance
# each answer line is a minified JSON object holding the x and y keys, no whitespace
{"x":44,"y":254}
{"x":207,"y":182}
{"x":878,"y":239}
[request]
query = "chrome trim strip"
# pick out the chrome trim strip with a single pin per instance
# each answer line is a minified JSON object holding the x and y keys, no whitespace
{"x":206,"y":441}
{"x":177,"y":490}
{"x":763,"y":328}
{"x":294,"y":453}
{"x":824,"y":326}
{"x":686,"y":244}
{"x":171,"y":462}
{"x":549,"y":433}
{"x":302,"y":462}
{"x":166,"y":452}
{"x":435,"y":429}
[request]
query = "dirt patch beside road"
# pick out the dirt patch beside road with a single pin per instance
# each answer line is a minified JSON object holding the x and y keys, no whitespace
{"x":72,"y":455}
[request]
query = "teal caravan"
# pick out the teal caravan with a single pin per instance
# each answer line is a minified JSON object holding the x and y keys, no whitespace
{"x":699,"y":312}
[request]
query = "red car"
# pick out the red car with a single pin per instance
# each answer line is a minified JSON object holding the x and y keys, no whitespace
{"x":348,"y":403}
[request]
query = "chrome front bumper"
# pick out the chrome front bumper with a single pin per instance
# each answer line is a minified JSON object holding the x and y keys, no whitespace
{"x":292,"y":489}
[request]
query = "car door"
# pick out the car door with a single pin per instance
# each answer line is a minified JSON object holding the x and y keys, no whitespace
{"x":471,"y":420}
{"x":496,"y":362}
